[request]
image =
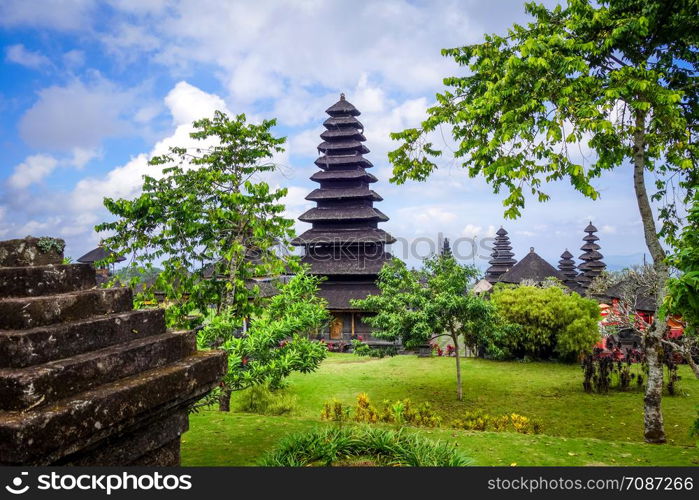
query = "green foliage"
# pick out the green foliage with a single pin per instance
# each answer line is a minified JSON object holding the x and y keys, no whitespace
{"x":261,"y":400}
{"x":277,"y":342}
{"x":378,"y":447}
{"x":583,"y":73}
{"x":694,"y":430}
{"x":204,"y":209}
{"x":47,"y":244}
{"x":401,"y":412}
{"x":67,"y":260}
{"x":145,"y":274}
{"x":551,"y":322}
{"x":416,"y":305}
{"x":361,"y":349}
{"x":513,"y":422}
{"x":683,"y":291}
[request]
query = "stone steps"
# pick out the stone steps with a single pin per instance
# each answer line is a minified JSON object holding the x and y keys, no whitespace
{"x":21,"y":348}
{"x":45,"y":280}
{"x":44,"y":435}
{"x":140,"y":444}
{"x":30,"y":312}
{"x":22,"y":388}
{"x":84,"y":379}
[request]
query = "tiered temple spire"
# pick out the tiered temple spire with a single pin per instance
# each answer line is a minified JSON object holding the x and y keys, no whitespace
{"x":501,"y":258}
{"x":344,"y":243}
{"x":446,"y":248}
{"x":568,"y":269}
{"x":592,"y":264}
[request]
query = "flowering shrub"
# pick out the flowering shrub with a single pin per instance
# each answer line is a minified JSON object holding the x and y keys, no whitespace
{"x":513,"y":422}
{"x":403,"y":412}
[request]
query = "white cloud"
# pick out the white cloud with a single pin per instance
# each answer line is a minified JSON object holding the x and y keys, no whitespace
{"x":19,"y":54}
{"x":187,"y":103}
{"x":33,"y":169}
{"x":74,"y":58}
{"x":471,"y":231}
{"x":53,"y":14}
{"x":76,"y":115}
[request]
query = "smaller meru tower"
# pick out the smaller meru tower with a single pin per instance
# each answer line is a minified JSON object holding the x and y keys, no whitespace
{"x":344,"y":244}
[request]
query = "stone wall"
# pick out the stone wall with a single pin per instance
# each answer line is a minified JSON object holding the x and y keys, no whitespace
{"x":84,"y":379}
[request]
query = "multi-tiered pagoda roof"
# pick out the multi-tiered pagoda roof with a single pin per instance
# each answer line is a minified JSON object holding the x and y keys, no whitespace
{"x":568,"y":269}
{"x":502,"y":258}
{"x":592,"y":265}
{"x":344,"y":243}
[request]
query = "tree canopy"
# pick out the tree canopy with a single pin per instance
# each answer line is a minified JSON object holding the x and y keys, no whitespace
{"x":207,"y":219}
{"x":417,"y":306}
{"x":616,"y":76}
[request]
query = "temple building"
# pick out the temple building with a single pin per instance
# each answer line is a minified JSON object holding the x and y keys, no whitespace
{"x":531,"y":268}
{"x":502,"y":258}
{"x":568,"y":269}
{"x":99,"y":254}
{"x":344,"y":244}
{"x":592,"y":265}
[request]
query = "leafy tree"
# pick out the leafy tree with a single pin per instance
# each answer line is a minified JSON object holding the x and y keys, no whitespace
{"x":618,"y":76}
{"x":552,"y":323}
{"x":416,"y":307}
{"x":683,"y":290}
{"x":207,"y":221}
{"x":277,"y":342}
{"x":212,"y":226}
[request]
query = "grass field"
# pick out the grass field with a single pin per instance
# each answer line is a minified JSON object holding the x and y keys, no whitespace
{"x":578,"y":428}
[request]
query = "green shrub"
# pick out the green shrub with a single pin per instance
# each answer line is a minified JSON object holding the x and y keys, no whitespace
{"x":513,"y":422}
{"x":363,"y":446}
{"x":261,"y":400}
{"x":552,"y":323}
{"x":402,"y":412}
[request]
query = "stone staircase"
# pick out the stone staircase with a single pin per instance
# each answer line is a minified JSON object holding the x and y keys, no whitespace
{"x":84,"y":379}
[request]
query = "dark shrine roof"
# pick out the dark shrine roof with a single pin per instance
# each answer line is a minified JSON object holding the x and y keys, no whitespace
{"x":531,"y":267}
{"x":344,"y":243}
{"x":344,"y":161}
{"x":339,"y":294}
{"x":348,"y":266}
{"x":343,"y":194}
{"x":359,"y":236}
{"x":343,"y":214}
{"x":343,"y":175}
{"x":343,"y":133}
{"x":99,"y":253}
{"x":342,"y":107}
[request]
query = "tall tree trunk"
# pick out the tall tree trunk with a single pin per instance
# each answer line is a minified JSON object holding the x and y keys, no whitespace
{"x":224,"y":400}
{"x":690,"y":361}
{"x":459,"y":389}
{"x":653,"y":417}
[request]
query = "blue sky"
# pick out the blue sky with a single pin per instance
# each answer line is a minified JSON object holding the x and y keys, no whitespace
{"x":90,"y":90}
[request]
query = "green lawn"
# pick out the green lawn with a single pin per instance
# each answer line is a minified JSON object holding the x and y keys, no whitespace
{"x":578,"y":428}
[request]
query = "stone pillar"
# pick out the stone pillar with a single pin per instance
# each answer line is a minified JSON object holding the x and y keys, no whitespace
{"x":84,"y":379}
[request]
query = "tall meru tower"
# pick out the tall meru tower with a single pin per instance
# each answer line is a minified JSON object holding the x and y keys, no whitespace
{"x":344,"y":244}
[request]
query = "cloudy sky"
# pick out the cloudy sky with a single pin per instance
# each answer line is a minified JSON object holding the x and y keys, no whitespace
{"x":90,"y":90}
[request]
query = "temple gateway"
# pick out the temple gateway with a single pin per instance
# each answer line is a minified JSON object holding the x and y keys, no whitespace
{"x":344,"y":244}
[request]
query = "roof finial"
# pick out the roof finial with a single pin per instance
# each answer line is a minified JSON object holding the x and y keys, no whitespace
{"x":342,"y":96}
{"x":531,"y":249}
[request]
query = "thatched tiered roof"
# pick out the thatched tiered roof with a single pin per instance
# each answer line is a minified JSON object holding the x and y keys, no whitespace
{"x":502,"y":258}
{"x":344,"y":243}
{"x":592,"y":264}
